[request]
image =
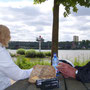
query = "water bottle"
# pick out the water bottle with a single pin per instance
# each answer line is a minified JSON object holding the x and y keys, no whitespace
{"x":55,"y":62}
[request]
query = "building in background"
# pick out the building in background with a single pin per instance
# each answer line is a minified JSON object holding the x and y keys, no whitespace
{"x":75,"y":42}
{"x":75,"y":38}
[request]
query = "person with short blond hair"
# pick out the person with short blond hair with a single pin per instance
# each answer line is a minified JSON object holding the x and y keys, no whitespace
{"x":8,"y":69}
{"x":4,"y":35}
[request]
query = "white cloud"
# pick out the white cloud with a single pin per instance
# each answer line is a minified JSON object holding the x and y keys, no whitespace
{"x":27,"y":21}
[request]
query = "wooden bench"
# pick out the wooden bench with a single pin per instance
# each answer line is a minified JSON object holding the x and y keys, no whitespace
{"x":65,"y":84}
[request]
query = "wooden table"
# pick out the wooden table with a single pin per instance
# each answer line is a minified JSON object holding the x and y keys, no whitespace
{"x":65,"y":84}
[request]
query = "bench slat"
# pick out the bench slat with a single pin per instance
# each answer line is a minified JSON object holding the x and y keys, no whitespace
{"x":25,"y":85}
{"x":61,"y":83}
{"x":19,"y":85}
{"x":65,"y":84}
{"x":72,"y":84}
{"x":87,"y":85}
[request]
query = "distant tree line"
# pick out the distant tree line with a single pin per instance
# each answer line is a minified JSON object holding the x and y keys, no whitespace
{"x":84,"y":44}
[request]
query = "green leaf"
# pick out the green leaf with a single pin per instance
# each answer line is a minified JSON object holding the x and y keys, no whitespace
{"x":65,"y":14}
{"x":75,"y":9}
{"x":68,"y":4}
{"x":38,"y":1}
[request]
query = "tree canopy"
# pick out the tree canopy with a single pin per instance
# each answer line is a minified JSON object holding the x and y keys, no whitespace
{"x":69,"y":4}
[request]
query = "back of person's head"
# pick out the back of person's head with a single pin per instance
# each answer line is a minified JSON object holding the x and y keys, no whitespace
{"x":4,"y":35}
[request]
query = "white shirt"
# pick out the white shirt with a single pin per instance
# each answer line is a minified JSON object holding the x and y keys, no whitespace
{"x":9,"y":70}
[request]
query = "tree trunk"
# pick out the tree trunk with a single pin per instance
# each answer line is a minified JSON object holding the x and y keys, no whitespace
{"x":55,"y":29}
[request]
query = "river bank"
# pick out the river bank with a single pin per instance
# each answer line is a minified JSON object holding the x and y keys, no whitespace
{"x":81,"y":55}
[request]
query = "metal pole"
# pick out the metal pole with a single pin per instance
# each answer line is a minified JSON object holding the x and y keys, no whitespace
{"x":39,"y":45}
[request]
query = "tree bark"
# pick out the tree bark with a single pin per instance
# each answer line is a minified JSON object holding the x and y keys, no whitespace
{"x":55,"y":29}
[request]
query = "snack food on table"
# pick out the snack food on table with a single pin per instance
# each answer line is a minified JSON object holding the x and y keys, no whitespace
{"x":42,"y":72}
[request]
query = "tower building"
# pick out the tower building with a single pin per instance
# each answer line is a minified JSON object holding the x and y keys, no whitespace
{"x":75,"y":38}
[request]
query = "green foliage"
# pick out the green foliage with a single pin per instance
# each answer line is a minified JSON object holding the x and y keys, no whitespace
{"x":79,"y":62}
{"x":13,"y":55}
{"x":76,"y":62}
{"x":40,"y":54}
{"x":23,"y":63}
{"x":48,"y":53}
{"x":30,"y":53}
{"x":38,"y":1}
{"x":85,"y":44}
{"x":68,"y":4}
{"x":21,"y":51}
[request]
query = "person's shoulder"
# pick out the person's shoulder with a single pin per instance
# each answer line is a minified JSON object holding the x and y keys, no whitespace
{"x":3,"y":52}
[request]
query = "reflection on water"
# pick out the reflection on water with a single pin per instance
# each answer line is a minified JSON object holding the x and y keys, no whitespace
{"x":68,"y":54}
{"x":72,"y":54}
{"x":40,"y":59}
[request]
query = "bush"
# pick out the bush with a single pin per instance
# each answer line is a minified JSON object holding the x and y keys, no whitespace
{"x":21,"y":51}
{"x":23,"y":63}
{"x":79,"y":62}
{"x":12,"y":55}
{"x":30,"y":53}
{"x":76,"y":62}
{"x":40,"y":54}
{"x":48,"y":53}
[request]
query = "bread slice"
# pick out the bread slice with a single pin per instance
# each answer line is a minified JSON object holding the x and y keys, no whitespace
{"x":42,"y":72}
{"x":47,"y":72}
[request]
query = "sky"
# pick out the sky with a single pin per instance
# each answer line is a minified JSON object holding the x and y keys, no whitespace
{"x":28,"y":21}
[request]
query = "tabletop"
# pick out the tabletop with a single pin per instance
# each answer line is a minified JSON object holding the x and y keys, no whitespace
{"x":64,"y":84}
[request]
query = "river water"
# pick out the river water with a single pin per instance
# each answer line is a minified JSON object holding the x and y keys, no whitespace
{"x":81,"y":55}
